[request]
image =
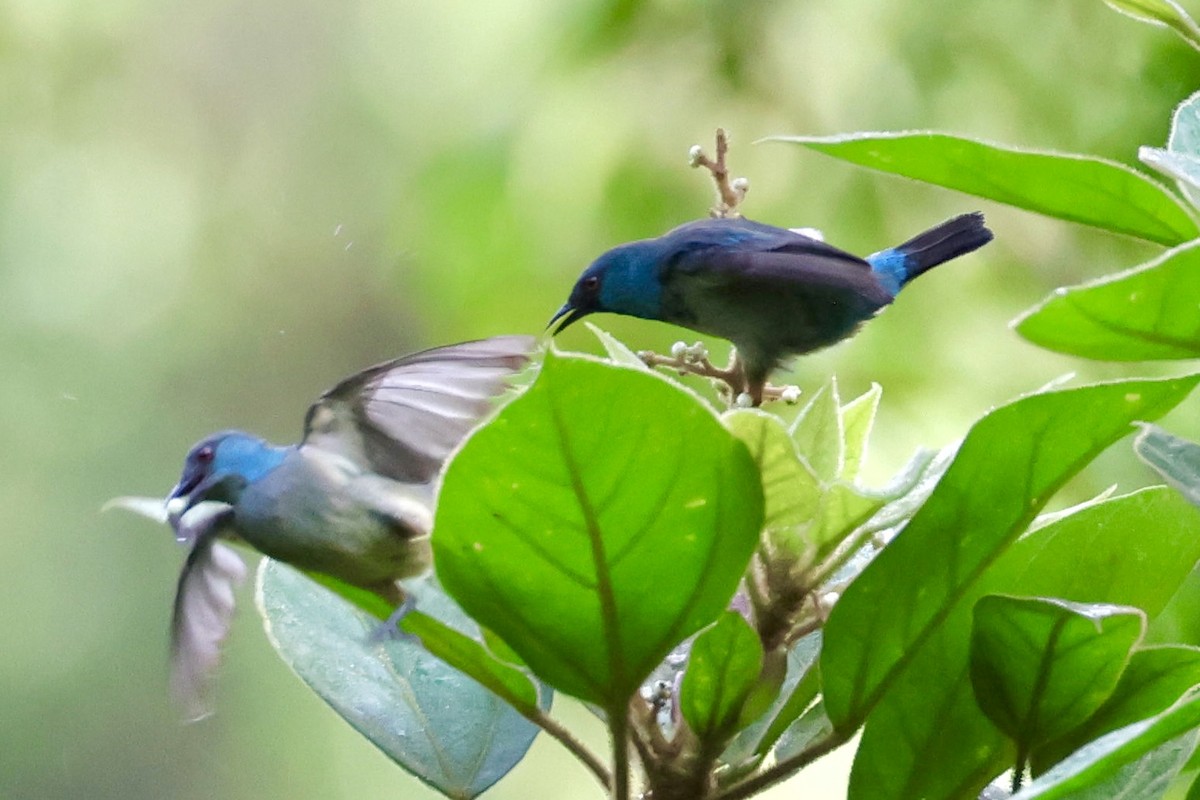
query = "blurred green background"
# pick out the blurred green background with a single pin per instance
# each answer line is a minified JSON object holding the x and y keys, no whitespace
{"x":211,"y":211}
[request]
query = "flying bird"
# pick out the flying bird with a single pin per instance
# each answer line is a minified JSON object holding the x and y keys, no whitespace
{"x":351,"y":500}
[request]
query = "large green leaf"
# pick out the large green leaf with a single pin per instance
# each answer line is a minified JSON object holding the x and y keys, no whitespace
{"x":1148,"y":778}
{"x":1041,"y":667}
{"x":1176,"y":460}
{"x":1181,"y":159}
{"x":930,"y":715}
{"x":858,"y":417}
{"x":1105,"y":757}
{"x":601,"y":518}
{"x":1154,"y":679}
{"x":723,"y":667}
{"x":1161,"y":12}
{"x":817,"y":432}
{"x":1081,"y":189}
{"x":1148,"y":312}
{"x":1010,"y":464}
{"x":462,"y":651}
{"x":434,"y":721}
{"x":792,"y":493}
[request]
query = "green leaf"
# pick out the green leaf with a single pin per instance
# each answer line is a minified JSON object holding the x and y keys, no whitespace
{"x":1184,"y":138}
{"x":432,"y":720}
{"x":1176,"y":460}
{"x":1040,"y":667}
{"x":843,"y":509}
{"x":471,"y":657}
{"x":602,"y":517}
{"x":1166,"y":13}
{"x":1105,"y":757}
{"x":1154,"y":679}
{"x":723,"y":668}
{"x":1181,"y":160}
{"x":1146,"y":313}
{"x":858,"y":417}
{"x":1184,"y":169}
{"x":1090,"y":191}
{"x":813,"y":725}
{"x":368,"y":602}
{"x":1010,"y":464}
{"x":799,"y":688}
{"x":792,"y":493}
{"x":803,"y":684}
{"x":1147,"y":778}
{"x":500,"y":649}
{"x":817,"y":432}
{"x":616,"y":349}
{"x":930,"y":715}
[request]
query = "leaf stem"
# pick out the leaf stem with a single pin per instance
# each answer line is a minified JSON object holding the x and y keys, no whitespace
{"x":618,"y":729}
{"x":783,"y":769}
{"x":589,"y":759}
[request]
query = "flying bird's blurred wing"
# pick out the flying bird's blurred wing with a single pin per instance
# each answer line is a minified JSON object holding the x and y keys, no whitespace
{"x":204,"y":604}
{"x":402,"y":418}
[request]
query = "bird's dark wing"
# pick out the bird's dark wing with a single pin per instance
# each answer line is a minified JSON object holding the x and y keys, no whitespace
{"x":204,"y":603}
{"x":796,"y":269}
{"x":713,"y":237}
{"x":402,"y":418}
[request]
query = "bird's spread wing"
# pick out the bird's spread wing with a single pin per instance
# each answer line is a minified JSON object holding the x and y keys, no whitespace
{"x":204,"y":603}
{"x":402,"y":418}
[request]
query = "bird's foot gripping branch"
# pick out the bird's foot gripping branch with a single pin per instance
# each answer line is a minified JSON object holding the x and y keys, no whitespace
{"x":731,"y":381}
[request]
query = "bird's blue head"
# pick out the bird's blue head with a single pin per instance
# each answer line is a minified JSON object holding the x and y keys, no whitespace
{"x":625,"y":280}
{"x":222,"y":465}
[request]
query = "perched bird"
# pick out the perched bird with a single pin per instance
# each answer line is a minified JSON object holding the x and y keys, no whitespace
{"x":351,"y":500}
{"x":771,"y":291}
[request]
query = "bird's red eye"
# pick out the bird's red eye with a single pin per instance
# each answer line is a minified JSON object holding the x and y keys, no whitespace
{"x":591,"y":283}
{"x":204,"y":455}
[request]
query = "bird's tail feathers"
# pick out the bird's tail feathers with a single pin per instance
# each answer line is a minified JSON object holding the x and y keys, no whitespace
{"x":953,"y":238}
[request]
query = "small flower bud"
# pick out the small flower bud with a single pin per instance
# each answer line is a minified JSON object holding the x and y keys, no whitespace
{"x":744,"y":400}
{"x":790,"y":395}
{"x":740,"y":185}
{"x":679,"y":349}
{"x":695,"y":155}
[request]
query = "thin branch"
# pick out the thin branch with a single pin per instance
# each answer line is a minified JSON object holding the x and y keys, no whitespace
{"x":733,"y":377}
{"x":589,"y":759}
{"x":729,"y":193}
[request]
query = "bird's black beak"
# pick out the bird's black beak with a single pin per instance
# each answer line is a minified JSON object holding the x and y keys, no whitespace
{"x":568,"y":314}
{"x":187,"y":484}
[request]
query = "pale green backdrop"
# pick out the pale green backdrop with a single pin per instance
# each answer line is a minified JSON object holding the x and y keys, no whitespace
{"x":210,"y":211}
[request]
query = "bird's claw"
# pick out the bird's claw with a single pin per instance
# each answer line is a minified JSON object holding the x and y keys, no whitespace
{"x":389,"y":630}
{"x":731,"y":381}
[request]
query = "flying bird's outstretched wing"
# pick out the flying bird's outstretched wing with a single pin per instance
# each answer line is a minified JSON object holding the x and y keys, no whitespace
{"x":204,"y":604}
{"x":403,"y":417}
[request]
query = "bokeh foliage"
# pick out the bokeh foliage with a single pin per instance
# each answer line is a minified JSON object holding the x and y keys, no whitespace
{"x":212,"y":211}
